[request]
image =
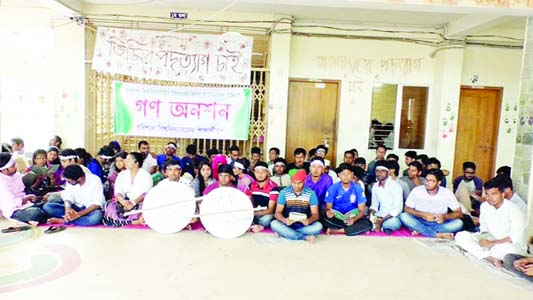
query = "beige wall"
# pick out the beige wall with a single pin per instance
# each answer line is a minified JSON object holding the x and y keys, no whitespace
{"x":41,"y":76}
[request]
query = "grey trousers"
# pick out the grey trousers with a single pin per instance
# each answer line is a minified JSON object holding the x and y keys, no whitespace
{"x":508,"y":261}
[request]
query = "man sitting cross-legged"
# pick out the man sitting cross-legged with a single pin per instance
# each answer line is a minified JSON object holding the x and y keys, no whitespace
{"x":264,"y":193}
{"x":14,"y":203}
{"x":502,"y":226}
{"x":387,"y":198}
{"x":172,"y":170}
{"x":297,"y":211}
{"x":346,"y":205}
{"x":83,"y":198}
{"x":426,"y":209}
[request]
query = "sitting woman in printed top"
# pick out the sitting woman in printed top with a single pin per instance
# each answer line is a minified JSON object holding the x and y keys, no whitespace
{"x":131,"y":187}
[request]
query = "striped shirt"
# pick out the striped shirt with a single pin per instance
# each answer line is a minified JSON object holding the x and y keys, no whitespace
{"x":262,"y":196}
{"x":297,"y":203}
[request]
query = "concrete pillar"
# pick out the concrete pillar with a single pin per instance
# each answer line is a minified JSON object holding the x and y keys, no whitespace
{"x":522,"y":164}
{"x":278,"y":89}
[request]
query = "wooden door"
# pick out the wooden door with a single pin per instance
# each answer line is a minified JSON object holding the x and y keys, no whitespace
{"x":477,"y":130}
{"x":311,"y":118}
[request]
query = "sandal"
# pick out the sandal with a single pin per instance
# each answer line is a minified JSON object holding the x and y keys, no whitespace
{"x":54,"y":229}
{"x":16,"y":229}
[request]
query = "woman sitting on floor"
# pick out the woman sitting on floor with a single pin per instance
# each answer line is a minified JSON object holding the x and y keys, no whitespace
{"x":204,"y":178}
{"x":118,"y":166}
{"x":131,"y":186}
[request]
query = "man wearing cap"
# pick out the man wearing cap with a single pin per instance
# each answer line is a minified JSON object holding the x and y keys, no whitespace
{"x":14,"y":203}
{"x":387,"y":200}
{"x":280,"y":177}
{"x":264,"y":193}
{"x":226,"y":179}
{"x":317,"y":180}
{"x":170,"y":151}
{"x":297,"y":211}
{"x":83,"y":198}
{"x":426,"y":209}
{"x":346,"y":205}
{"x":149,"y":162}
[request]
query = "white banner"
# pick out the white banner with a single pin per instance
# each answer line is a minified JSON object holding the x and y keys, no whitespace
{"x":174,"y":56}
{"x":183,"y":112}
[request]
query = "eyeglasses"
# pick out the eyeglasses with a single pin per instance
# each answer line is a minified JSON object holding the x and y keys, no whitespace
{"x":467,"y":172}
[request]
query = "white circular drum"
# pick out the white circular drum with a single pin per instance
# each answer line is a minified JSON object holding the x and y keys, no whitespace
{"x":170,"y":218}
{"x":226,"y":212}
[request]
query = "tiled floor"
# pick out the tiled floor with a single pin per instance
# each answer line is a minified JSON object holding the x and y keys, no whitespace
{"x":96,"y":263}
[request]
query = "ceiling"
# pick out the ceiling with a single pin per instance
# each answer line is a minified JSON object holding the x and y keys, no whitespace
{"x":391,"y":13}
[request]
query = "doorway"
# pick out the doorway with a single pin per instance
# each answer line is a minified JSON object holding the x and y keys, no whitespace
{"x":312,"y":117}
{"x":477,"y":130}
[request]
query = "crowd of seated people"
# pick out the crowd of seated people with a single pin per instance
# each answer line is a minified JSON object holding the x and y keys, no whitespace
{"x":302,"y":198}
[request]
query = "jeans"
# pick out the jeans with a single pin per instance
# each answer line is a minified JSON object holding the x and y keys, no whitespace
{"x":264,"y":220}
{"x":57,"y":210}
{"x":392,"y":224}
{"x":430,"y":228}
{"x":508,"y":262}
{"x":295,"y":232}
{"x":33,"y":213}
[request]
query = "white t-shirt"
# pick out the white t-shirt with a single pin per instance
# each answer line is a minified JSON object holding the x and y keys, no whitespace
{"x":387,"y":199}
{"x":521,"y":204}
{"x":420,"y":200}
{"x":140,"y":185}
{"x":148,"y":163}
{"x":91,"y":192}
{"x":506,"y":221}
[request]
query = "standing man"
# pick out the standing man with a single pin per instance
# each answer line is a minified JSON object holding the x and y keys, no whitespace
{"x":387,"y":200}
{"x":149,"y":162}
{"x":264,"y":193}
{"x":502,"y":226}
{"x":297,"y":211}
{"x":426,"y":209}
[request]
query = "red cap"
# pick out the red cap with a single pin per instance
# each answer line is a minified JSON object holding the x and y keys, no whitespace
{"x":300,"y":175}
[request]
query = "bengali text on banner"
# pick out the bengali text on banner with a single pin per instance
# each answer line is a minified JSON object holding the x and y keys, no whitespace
{"x":181,"y":112}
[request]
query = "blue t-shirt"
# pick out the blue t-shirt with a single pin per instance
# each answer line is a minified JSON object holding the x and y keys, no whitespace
{"x":344,"y":201}
{"x":161,"y":158}
{"x":297,"y":203}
